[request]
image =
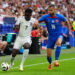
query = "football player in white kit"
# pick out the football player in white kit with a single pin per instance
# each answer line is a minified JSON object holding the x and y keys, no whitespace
{"x":24,"y":24}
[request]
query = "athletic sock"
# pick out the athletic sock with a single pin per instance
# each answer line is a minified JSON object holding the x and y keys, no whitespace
{"x":12,"y":60}
{"x":25,"y":54}
{"x":57,"y":52}
{"x":49,"y":59}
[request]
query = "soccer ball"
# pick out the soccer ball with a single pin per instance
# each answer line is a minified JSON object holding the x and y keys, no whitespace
{"x":4,"y":66}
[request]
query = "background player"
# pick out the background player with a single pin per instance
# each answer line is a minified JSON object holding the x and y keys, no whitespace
{"x":54,"y":27}
{"x":24,"y":24}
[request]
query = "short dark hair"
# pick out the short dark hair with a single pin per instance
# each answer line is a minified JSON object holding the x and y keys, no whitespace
{"x":51,"y":5}
{"x":28,"y":10}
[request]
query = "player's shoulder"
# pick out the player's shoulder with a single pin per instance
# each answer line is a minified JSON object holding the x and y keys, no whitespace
{"x":21,"y":17}
{"x":59,"y":15}
{"x":46,"y":15}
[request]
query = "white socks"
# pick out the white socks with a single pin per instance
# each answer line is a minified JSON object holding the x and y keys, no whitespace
{"x":12,"y":59}
{"x":25,"y":54}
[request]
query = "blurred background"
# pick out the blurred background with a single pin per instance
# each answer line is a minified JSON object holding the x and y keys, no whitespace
{"x":10,"y":10}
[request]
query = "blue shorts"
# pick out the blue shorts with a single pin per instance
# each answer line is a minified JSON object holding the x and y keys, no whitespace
{"x":52,"y":41}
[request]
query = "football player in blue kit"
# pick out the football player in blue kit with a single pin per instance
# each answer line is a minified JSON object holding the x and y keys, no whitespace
{"x":53,"y":22}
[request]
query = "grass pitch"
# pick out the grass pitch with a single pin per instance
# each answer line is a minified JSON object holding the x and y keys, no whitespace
{"x":38,"y":65}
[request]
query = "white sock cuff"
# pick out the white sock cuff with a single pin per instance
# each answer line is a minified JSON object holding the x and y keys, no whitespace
{"x":26,"y":50}
{"x":58,"y":46}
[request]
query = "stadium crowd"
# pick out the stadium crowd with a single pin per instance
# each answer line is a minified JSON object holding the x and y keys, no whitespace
{"x":39,"y":7}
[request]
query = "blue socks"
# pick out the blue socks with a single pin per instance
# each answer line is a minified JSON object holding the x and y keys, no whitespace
{"x":57,"y":52}
{"x":49,"y":59}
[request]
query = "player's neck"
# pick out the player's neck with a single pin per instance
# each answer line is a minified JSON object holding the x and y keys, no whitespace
{"x":53,"y":15}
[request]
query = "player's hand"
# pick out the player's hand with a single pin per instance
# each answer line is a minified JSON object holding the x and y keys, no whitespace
{"x":70,"y":33}
{"x":36,"y":23}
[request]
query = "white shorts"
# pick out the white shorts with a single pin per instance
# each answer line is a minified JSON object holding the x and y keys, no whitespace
{"x":20,"y":41}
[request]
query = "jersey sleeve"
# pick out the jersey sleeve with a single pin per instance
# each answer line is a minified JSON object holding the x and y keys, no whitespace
{"x":63,"y":18}
{"x":66,"y":31}
{"x":41,"y":18}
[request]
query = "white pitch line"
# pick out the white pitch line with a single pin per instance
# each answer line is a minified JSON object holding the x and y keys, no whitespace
{"x":44,"y":63}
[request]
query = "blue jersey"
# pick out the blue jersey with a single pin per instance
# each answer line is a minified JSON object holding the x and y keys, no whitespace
{"x":54,"y":25}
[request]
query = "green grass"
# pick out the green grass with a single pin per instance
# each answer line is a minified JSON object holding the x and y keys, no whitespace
{"x":37,"y":64}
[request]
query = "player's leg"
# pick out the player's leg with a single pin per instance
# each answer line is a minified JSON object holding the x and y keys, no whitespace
{"x":58,"y":50}
{"x":25,"y":54}
{"x":14,"y":52}
{"x":49,"y":57}
{"x":16,"y":48}
{"x":50,"y":46}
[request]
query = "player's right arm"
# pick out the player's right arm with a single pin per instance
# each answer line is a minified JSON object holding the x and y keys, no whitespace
{"x":17,"y":25}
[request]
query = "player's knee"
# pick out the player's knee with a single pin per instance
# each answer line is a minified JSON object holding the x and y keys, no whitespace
{"x":15,"y":51}
{"x":59,"y":43}
{"x":48,"y":54}
{"x":26,"y":46}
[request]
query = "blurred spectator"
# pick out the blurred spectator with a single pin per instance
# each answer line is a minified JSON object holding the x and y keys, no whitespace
{"x":66,"y":37}
{"x":73,"y":28}
{"x":35,"y":32}
{"x":45,"y":33}
{"x":44,"y":38}
{"x":39,"y":7}
{"x":15,"y":8}
{"x":35,"y":46}
{"x":41,"y":33}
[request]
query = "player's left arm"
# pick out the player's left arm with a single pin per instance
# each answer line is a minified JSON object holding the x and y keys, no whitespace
{"x":68,"y":24}
{"x":69,"y":28}
{"x":17,"y":25}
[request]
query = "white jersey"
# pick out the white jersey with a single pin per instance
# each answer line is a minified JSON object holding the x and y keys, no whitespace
{"x":25,"y":26}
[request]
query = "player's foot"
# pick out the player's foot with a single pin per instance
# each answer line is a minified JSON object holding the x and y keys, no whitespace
{"x":10,"y":66}
{"x":50,"y":67}
{"x":21,"y":68}
{"x":56,"y":64}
